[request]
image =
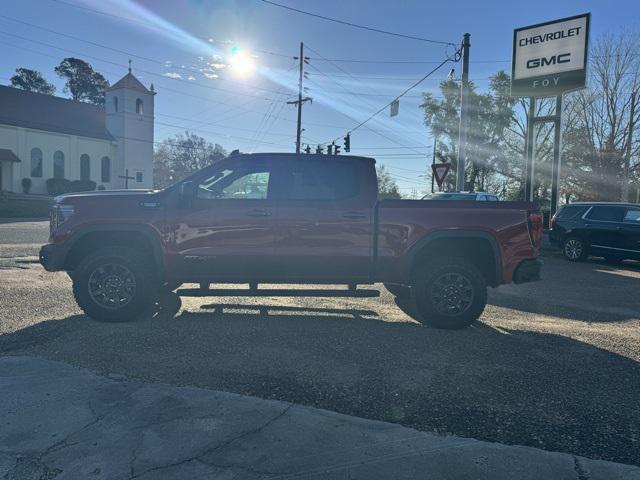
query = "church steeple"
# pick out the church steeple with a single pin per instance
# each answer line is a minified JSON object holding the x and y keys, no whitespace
{"x":129,"y":108}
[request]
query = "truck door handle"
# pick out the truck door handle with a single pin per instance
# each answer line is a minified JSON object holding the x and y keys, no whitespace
{"x":354,"y":216}
{"x":258,"y":213}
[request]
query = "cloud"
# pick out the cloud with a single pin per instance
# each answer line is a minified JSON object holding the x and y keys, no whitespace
{"x":211,"y":75}
{"x":172,"y":75}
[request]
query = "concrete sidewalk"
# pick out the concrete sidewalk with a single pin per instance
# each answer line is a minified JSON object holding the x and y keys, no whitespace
{"x":63,"y":422}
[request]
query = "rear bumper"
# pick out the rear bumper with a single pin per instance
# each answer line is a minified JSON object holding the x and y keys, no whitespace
{"x":52,"y":257}
{"x":528,"y":271}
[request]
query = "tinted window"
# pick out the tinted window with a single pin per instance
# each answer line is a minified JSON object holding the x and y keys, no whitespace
{"x":236,"y":181}
{"x":606,"y":214}
{"x":322,"y":180}
{"x":568,"y":212}
{"x":633,"y":216}
{"x":482,"y":198}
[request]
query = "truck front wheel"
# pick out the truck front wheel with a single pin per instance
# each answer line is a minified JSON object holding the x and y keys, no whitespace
{"x":449,"y":293}
{"x":114,"y":284}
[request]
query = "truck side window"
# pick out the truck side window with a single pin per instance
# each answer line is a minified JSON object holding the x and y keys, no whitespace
{"x":237,"y":182}
{"x":326,"y":180}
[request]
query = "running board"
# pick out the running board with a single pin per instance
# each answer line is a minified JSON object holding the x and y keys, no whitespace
{"x":280,"y":292}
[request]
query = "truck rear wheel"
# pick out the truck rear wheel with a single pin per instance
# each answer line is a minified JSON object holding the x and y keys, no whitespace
{"x":449,"y":293}
{"x":114,"y":284}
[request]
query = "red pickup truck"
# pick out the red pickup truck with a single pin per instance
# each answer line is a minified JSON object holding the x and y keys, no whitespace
{"x":294,"y":219}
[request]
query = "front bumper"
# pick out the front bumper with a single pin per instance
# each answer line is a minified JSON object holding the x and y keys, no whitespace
{"x":52,"y":257}
{"x":528,"y":271}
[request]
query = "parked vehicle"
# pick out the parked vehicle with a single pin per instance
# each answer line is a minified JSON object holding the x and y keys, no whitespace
{"x":466,"y":196}
{"x":295,"y":219}
{"x":609,"y":230}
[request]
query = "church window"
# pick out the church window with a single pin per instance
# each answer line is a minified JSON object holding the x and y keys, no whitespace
{"x":139,"y":109}
{"x":105,"y":174}
{"x":36,"y":162}
{"x":58,"y":164}
{"x":85,"y":167}
{"x":139,"y":177}
{"x":115,"y":104}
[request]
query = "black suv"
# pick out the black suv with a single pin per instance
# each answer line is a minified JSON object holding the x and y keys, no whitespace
{"x":609,"y":230}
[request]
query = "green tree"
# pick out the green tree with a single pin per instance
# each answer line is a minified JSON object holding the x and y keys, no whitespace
{"x":489,"y":116}
{"x":82,"y":81}
{"x":180,"y":156}
{"x":387,"y":186}
{"x":32,"y":81}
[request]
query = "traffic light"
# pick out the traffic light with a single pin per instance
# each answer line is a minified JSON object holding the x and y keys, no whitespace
{"x":319,"y":150}
{"x":347,"y":143}
{"x":330,"y":149}
{"x":307,"y":150}
{"x":336,"y":149}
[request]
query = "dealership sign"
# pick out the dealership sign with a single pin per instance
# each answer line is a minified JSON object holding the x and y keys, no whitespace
{"x":550,"y":58}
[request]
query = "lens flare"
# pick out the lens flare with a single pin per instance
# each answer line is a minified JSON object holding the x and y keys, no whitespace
{"x":240,"y":63}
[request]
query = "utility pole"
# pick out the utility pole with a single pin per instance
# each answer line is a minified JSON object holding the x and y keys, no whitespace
{"x":300,"y":100}
{"x":464,"y":113}
{"x":627,"y":156}
{"x":433,"y":162}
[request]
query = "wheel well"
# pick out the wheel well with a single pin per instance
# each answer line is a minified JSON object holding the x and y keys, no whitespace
{"x":92,"y":241}
{"x":478,"y":251}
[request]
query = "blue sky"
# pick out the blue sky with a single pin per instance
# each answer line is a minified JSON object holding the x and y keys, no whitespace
{"x":190,"y":39}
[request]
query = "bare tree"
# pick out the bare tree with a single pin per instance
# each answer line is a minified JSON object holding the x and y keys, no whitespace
{"x":603,"y":115}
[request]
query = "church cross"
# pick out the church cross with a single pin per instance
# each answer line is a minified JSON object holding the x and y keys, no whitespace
{"x":126,"y":179}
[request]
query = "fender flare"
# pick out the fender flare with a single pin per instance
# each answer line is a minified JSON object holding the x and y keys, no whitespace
{"x":424,"y":242}
{"x":148,"y":232}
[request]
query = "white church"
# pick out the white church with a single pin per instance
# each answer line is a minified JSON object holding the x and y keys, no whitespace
{"x":42,"y":137}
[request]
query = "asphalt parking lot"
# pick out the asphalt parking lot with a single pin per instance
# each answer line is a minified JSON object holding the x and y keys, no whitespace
{"x":552,"y":365}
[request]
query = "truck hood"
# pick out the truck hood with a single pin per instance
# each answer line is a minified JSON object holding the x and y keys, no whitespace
{"x":120,"y":194}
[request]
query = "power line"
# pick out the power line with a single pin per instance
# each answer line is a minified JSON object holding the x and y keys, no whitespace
{"x":405,"y":62}
{"x":446,"y":60}
{"x":355,"y":25}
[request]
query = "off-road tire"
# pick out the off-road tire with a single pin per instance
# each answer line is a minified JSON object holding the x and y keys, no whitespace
{"x":139,"y":270}
{"x":399,"y":291}
{"x":465,"y":285}
{"x":574,"y":249}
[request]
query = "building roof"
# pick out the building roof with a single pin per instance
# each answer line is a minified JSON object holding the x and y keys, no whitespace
{"x":131,"y":82}
{"x":52,"y":114}
{"x":7,"y":155}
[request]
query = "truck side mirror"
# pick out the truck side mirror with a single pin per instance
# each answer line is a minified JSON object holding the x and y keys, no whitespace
{"x":187,"y":193}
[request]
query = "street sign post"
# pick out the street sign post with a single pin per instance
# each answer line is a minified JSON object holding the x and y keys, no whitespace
{"x":548,"y":59}
{"x":440,"y":171}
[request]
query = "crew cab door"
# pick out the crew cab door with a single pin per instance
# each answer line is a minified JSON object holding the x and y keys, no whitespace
{"x":226,"y":232}
{"x":603,"y":226}
{"x":325,"y":219}
{"x":631,"y":231}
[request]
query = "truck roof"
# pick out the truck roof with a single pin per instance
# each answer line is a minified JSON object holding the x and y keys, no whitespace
{"x":313,"y":156}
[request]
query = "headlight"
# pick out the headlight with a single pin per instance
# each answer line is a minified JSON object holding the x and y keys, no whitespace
{"x":59,"y":215}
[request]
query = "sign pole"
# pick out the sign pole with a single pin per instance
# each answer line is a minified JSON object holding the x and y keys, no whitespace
{"x":557,"y":151}
{"x":529,"y":151}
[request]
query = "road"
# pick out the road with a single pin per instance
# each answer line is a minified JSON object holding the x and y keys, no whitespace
{"x":552,"y":365}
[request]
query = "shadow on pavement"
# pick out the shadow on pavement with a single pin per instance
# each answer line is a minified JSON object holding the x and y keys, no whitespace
{"x":590,"y":291}
{"x":515,"y":387}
